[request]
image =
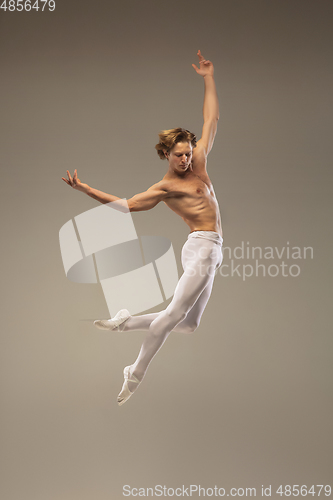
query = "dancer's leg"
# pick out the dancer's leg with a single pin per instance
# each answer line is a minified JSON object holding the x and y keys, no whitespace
{"x":200,"y":259}
{"x":188,"y":325}
{"x":141,"y":322}
{"x":193,"y":318}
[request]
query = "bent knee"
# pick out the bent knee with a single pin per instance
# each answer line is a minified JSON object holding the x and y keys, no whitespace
{"x":190,"y":327}
{"x":176,"y":315}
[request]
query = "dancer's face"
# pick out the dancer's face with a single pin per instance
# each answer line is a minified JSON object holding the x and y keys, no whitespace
{"x":180,"y":157}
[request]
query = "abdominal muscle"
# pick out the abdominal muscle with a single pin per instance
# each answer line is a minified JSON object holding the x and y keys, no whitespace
{"x":196,"y":203}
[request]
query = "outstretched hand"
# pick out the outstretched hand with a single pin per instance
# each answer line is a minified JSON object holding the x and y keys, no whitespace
{"x":75,"y":181}
{"x":206,"y":67}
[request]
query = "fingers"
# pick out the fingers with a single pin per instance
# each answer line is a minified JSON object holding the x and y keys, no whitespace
{"x":202,"y":60}
{"x":195,"y":67}
{"x":69,"y":177}
{"x":70,"y":181}
{"x":201,"y":57}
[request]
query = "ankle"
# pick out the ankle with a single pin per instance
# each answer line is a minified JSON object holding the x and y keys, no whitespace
{"x":137,"y":373}
{"x":124,"y":327}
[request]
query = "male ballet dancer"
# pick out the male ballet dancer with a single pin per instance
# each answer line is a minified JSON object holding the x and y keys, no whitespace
{"x":188,"y":191}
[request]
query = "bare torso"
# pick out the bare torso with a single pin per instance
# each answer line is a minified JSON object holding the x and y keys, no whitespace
{"x":192,"y":197}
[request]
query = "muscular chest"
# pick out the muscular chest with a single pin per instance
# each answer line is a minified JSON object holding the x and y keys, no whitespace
{"x":193,"y":186}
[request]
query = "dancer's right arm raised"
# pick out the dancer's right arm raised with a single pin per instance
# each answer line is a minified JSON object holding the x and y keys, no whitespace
{"x":139,"y":202}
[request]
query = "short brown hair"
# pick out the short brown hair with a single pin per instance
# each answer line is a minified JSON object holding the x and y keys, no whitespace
{"x":168,"y":138}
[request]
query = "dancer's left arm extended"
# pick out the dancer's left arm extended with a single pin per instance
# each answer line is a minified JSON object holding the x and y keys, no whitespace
{"x":210,"y":112}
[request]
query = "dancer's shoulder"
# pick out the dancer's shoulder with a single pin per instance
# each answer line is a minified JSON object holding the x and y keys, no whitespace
{"x":163,"y":185}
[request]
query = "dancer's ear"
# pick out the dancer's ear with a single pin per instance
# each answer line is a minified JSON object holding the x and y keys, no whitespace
{"x":166,"y":154}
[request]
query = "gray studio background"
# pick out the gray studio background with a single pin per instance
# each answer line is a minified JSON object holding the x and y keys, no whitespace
{"x":246,"y":400}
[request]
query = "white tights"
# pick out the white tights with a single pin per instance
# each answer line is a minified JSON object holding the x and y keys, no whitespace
{"x":201,"y":256}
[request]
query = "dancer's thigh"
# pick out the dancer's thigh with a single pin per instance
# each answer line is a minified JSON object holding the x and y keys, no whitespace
{"x":192,"y":320}
{"x":199,"y":259}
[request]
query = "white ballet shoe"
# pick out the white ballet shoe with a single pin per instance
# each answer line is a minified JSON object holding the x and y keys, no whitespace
{"x":125,"y":393}
{"x":113,"y":323}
